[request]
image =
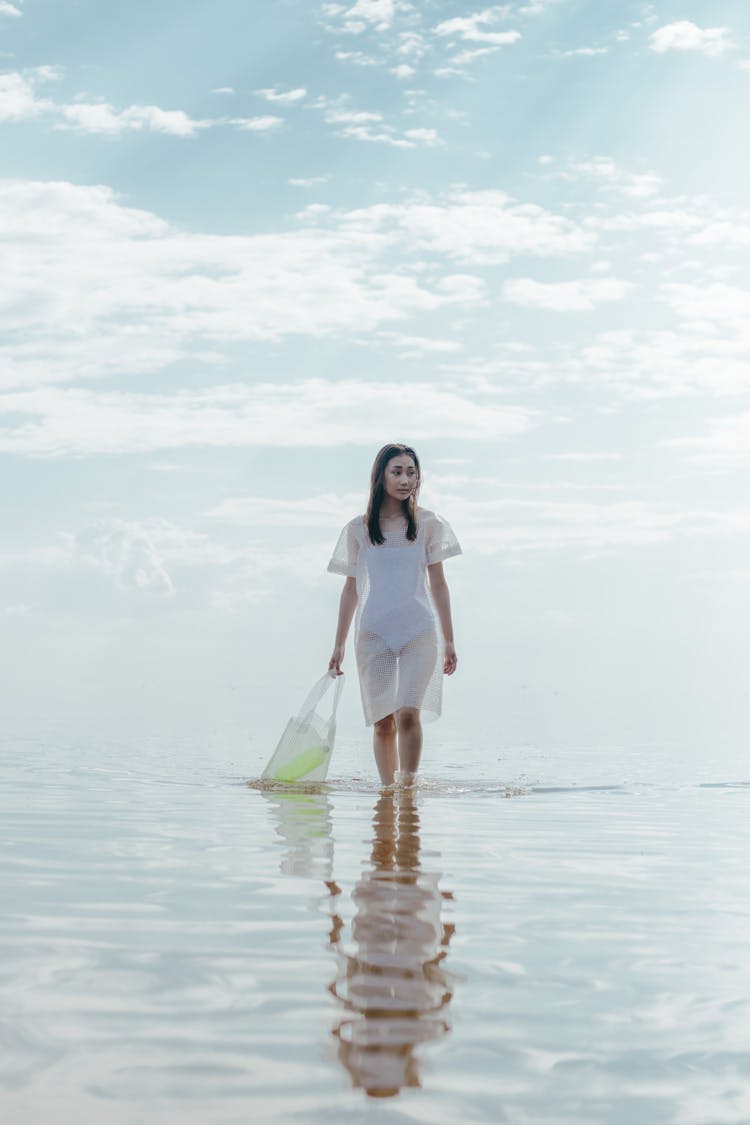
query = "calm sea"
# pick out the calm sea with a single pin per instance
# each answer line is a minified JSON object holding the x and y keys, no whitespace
{"x":535,"y":936}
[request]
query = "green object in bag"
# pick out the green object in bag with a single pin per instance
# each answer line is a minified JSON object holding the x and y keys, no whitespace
{"x":304,"y":750}
{"x":303,"y":764}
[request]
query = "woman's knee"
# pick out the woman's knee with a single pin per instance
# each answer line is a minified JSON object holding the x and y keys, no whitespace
{"x":386,"y":725}
{"x":407,"y":718}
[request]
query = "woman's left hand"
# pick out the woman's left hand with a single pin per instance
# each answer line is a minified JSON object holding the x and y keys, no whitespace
{"x":450,"y":660}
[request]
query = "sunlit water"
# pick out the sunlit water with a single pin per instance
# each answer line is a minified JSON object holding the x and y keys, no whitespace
{"x":557,"y":936}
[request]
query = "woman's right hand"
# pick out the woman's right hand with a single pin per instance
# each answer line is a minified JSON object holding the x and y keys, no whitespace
{"x":334,"y":664}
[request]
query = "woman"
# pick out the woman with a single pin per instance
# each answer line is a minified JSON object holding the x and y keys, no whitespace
{"x":392,"y":558}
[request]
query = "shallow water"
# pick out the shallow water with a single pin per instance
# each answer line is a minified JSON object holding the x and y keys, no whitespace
{"x":535,"y":936}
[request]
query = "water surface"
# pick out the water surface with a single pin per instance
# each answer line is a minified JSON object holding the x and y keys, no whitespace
{"x":535,"y":936}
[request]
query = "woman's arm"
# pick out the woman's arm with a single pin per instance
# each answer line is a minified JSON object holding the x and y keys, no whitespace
{"x":442,"y":598}
{"x":347,"y":606}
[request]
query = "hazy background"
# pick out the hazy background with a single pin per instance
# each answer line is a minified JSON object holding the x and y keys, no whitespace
{"x":245,"y":244}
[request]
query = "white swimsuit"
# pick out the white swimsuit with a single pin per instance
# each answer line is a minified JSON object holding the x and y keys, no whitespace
{"x":396,"y":634}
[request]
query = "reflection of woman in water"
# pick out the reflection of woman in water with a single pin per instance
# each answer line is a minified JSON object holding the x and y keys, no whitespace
{"x":393,"y":984}
{"x":303,"y":824}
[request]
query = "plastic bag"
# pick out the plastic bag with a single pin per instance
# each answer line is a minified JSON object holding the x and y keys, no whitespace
{"x":305,"y":747}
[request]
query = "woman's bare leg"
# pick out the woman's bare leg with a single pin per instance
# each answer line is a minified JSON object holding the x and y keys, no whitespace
{"x":409,"y":726}
{"x":384,"y":745}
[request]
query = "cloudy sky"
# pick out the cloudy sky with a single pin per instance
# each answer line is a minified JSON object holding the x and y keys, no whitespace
{"x":246,"y":244}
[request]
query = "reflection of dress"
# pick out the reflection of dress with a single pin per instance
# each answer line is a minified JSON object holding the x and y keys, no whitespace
{"x":396,"y":639}
{"x":303,"y":825}
{"x":393,"y":984}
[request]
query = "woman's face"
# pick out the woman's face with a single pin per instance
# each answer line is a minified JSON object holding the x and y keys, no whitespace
{"x":400,"y":477}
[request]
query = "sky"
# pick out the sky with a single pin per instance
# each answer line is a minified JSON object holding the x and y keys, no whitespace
{"x":244,"y":245}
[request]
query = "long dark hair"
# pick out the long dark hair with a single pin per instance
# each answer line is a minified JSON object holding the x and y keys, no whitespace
{"x":377,"y":492}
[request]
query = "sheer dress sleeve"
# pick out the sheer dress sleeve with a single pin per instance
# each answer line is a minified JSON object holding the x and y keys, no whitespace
{"x":441,"y":540}
{"x":344,"y":557}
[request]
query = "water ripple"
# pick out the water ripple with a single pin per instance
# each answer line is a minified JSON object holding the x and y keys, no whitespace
{"x":181,"y":945}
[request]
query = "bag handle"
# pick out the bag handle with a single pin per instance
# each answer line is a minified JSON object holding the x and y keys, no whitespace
{"x":317,"y":692}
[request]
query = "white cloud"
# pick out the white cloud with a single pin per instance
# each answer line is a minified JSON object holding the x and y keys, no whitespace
{"x":421,"y":345}
{"x":59,"y":211}
{"x":728,"y":229}
{"x":365,"y":15}
{"x":558,"y":523}
{"x":57,"y":556}
{"x":125,"y":552}
{"x":412,"y":44}
{"x":536,"y":7}
{"x":585,"y":51}
{"x":611,"y":175}
{"x":584,"y":457}
{"x":359,"y":58}
{"x":160,"y":562}
{"x":564,"y":296}
{"x":370,"y":125}
{"x":412,"y":41}
{"x":377,"y":12}
{"x":726,"y":444}
{"x":424,"y":136}
{"x":488,"y":227}
{"x":261,"y":124}
{"x":101,"y":117}
{"x":464,"y":57}
{"x":674,"y":362}
{"x":287,"y":97}
{"x":724,"y":303}
{"x":16,"y":609}
{"x":696,"y":342}
{"x":153,"y":556}
{"x":19,"y":101}
{"x":682,"y":223}
{"x":92,"y":287}
{"x":313,"y":412}
{"x":352,"y":116}
{"x":328,"y":510}
{"x":670,"y":222}
{"x":686,"y":36}
{"x":8,"y":9}
{"x":308,"y":181}
{"x":643,"y":184}
{"x":473,"y":28}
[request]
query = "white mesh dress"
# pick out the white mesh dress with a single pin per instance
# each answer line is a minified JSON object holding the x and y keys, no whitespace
{"x":397,"y":641}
